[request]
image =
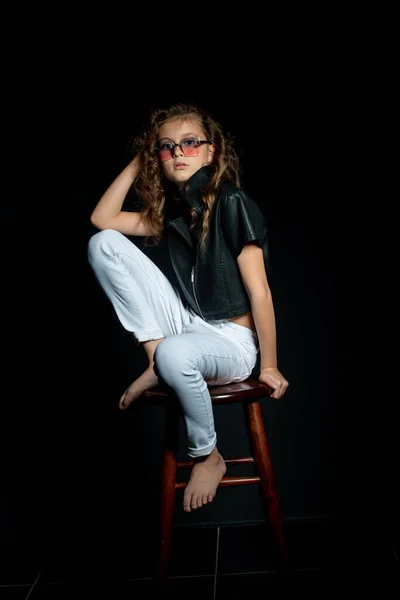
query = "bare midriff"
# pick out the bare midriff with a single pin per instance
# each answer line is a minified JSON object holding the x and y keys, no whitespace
{"x":246,"y":320}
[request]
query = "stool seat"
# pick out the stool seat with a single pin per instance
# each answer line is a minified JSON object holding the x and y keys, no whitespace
{"x":223,"y":394}
{"x":248,"y":392}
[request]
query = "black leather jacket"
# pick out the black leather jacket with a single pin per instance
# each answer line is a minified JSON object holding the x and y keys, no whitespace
{"x":209,"y":279}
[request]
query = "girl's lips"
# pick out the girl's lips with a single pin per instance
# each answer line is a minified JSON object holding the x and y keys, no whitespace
{"x":180,"y":166}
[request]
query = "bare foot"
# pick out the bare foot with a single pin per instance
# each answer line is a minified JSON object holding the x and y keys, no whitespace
{"x":206,"y":476}
{"x":147,"y":380}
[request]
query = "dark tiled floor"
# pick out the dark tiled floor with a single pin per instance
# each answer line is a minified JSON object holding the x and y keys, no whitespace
{"x":18,"y":571}
{"x":194,"y":554}
{"x":242,"y":586}
{"x":227,"y":562}
{"x":16,"y":592}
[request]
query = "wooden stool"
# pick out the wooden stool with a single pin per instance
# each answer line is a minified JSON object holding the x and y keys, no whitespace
{"x":248,"y":392}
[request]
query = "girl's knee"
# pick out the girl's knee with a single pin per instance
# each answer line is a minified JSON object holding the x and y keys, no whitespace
{"x":103,"y":237}
{"x":102,"y":242}
{"x":172,"y":356}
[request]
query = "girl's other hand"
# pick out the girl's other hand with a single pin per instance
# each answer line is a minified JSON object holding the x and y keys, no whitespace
{"x":271,"y":377}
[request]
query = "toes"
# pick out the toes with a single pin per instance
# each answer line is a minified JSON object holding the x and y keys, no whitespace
{"x":126,"y":399}
{"x":122,"y":401}
{"x":186,"y":502}
{"x":194,"y":501}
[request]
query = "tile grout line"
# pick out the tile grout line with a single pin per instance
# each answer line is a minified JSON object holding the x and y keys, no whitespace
{"x":299,"y":570}
{"x":208,"y":575}
{"x":15,"y":585}
{"x":216,"y":565}
{"x":34,"y":583}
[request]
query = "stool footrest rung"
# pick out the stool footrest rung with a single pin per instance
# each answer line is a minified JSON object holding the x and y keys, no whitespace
{"x":226,"y":481}
{"x":229,"y":461}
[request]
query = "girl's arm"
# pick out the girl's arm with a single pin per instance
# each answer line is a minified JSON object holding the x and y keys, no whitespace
{"x":252,"y":269}
{"x":107,"y":213}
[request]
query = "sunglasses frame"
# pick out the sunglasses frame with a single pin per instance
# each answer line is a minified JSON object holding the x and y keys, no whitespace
{"x":199,"y":143}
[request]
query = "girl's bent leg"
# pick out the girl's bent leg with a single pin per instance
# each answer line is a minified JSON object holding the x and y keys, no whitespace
{"x":144,"y":300}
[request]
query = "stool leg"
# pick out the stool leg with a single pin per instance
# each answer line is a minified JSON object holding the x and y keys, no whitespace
{"x":168,"y":481}
{"x":264,"y":465}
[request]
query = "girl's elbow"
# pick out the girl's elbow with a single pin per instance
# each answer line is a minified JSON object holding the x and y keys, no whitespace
{"x":96,"y":222}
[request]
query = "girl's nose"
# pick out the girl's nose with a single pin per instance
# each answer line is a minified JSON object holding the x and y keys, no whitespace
{"x":178,"y":150}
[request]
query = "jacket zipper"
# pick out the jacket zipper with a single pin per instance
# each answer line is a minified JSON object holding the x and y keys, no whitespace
{"x":194,"y":291}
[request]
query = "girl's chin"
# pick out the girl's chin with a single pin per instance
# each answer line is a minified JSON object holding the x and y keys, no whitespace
{"x":179,"y":176}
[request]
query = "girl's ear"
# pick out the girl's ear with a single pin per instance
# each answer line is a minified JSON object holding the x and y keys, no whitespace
{"x":211,"y":149}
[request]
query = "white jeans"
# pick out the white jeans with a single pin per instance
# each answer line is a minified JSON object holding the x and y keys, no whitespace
{"x":195,"y":353}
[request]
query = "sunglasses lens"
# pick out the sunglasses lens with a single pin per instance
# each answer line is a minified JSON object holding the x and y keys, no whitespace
{"x":165,"y":154}
{"x":191,"y":151}
{"x":190,"y":147}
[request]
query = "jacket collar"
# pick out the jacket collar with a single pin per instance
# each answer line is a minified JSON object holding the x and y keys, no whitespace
{"x":190,"y":191}
{"x":189,"y":194}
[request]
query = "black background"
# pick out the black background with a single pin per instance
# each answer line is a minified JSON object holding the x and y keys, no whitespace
{"x":75,"y":468}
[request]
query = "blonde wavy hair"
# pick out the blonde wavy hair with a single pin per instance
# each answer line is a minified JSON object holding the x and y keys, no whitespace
{"x":151,"y":184}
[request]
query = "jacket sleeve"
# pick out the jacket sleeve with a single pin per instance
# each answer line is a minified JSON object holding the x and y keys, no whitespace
{"x":243,"y":223}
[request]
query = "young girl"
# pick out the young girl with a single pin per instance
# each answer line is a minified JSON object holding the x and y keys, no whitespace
{"x":207,"y":328}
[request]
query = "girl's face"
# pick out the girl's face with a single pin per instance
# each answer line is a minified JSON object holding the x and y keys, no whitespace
{"x":179,"y":163}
